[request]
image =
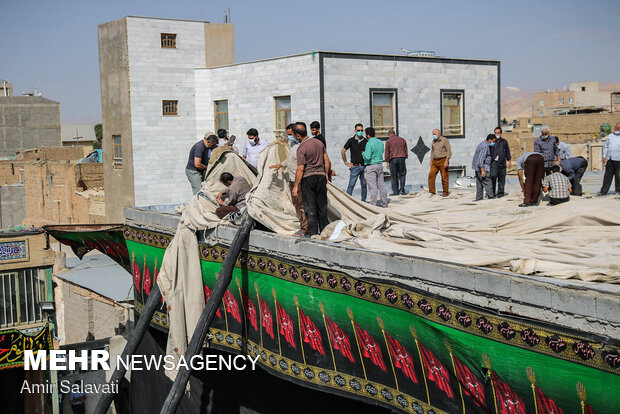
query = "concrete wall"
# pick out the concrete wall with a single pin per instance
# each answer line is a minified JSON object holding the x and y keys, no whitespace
{"x":592,"y":96}
{"x":116,"y":116}
{"x":82,"y":313}
{"x":28,"y":122}
{"x":12,"y":206}
{"x":347,"y":101}
{"x":219,"y":44}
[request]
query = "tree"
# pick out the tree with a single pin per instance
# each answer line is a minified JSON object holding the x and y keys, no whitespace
{"x":98,"y":135}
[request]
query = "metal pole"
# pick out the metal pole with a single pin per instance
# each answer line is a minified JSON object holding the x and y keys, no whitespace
{"x":152,"y":303}
{"x":202,"y":327}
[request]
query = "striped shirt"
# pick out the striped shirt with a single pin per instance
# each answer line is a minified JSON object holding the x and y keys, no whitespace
{"x":558,"y":185}
{"x":482,"y":157}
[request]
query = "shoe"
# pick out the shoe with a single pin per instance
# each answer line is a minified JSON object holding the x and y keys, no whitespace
{"x":524,"y":205}
{"x":599,"y":194}
{"x":394,"y":194}
{"x":402,"y":192}
{"x":445,"y":194}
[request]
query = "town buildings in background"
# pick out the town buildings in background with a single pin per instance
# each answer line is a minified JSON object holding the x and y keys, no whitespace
{"x":580,"y":97}
{"x":183,"y":83}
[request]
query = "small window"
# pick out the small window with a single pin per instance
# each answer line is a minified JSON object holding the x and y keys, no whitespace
{"x":583,"y":89}
{"x":283,"y":112}
{"x":169,"y":40}
{"x":541,"y":102}
{"x":542,"y":113}
{"x":452,"y":114}
{"x":383,"y":114}
{"x":561,"y":101}
{"x":221,"y":115}
{"x":170,"y":108}
{"x":118,"y":151}
{"x":20,"y":295}
{"x":570,"y":101}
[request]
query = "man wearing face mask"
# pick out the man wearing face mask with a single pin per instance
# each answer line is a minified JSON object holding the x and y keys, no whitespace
{"x":500,"y":153}
{"x":481,"y":164}
{"x":611,"y":160}
{"x":440,"y":160}
{"x":547,"y":145}
{"x":290,"y":167}
{"x":356,"y":145}
{"x":315,"y":129}
{"x":199,"y":160}
{"x":253,"y":147}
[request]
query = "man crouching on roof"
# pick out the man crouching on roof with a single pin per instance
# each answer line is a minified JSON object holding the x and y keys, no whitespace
{"x":233,"y":199}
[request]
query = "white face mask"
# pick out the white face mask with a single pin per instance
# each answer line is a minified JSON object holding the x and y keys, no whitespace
{"x":498,"y":136}
{"x":617,"y":132}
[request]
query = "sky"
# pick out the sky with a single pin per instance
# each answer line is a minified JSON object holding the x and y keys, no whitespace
{"x":52,"y":46}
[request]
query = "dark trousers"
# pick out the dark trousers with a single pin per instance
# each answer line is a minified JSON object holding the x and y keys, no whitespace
{"x":553,"y":201}
{"x":534,"y":169}
{"x":612,"y":171}
{"x":78,"y":409}
{"x":498,"y":178}
{"x":222,"y":211}
{"x":314,"y":198}
{"x":483,"y":184}
{"x":398,"y":174}
{"x":576,"y":182}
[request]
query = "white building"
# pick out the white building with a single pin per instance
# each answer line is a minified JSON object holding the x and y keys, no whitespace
{"x":171,"y":96}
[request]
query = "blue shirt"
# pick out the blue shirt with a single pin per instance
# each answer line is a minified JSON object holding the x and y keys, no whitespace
{"x":570,"y":165}
{"x":564,"y":151}
{"x":482,"y":157}
{"x":522,"y":158}
{"x":611,"y":150}
{"x":548,"y":148}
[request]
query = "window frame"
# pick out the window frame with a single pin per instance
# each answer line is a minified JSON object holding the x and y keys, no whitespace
{"x":216,"y":114}
{"x":394,"y":92}
{"x":452,"y":91}
{"x":560,"y":101}
{"x":162,"y":40}
{"x":174,"y":102}
{"x":117,"y":162}
{"x":38,"y":288}
{"x":276,"y":111}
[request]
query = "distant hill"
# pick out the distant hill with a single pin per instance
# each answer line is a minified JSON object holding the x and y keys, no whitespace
{"x":518,"y":103}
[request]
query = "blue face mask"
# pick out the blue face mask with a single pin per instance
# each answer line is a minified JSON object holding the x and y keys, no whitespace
{"x":435,"y":137}
{"x":491,"y":143}
{"x":292,"y":140}
{"x":359,"y":133}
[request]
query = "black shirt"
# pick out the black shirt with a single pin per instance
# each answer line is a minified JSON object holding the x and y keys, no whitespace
{"x":356,"y":148}
{"x":199,"y":150}
{"x":321,"y":138}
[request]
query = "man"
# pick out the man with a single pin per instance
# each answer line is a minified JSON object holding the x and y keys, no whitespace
{"x":611,"y":154}
{"x":500,"y":153}
{"x":356,"y":145}
{"x":223,"y":139}
{"x":290,"y":166}
{"x":396,"y":156}
{"x":547,"y":145}
{"x":564,"y":151}
{"x":199,"y":160}
{"x":77,"y":399}
{"x":481,"y":164}
{"x":373,"y":164}
{"x":532,"y":166}
{"x":313,"y":167}
{"x":253,"y":147}
{"x":557,"y":185}
{"x":574,"y":168}
{"x":315,"y":129}
{"x":440,"y":161}
{"x":233,"y":199}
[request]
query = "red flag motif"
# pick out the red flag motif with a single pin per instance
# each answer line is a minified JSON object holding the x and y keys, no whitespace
{"x":545,"y":405}
{"x":207,"y":296}
{"x":402,"y":358}
{"x":232,"y":306}
{"x":136,"y":276}
{"x":589,"y":409}
{"x":146,"y":282}
{"x":472,"y":386}
{"x":266,"y":317}
{"x":310,"y":333}
{"x":339,"y":339}
{"x":370,"y":347}
{"x":250,"y":311}
{"x":286,"y":325}
{"x":508,"y":402}
{"x":436,"y":371}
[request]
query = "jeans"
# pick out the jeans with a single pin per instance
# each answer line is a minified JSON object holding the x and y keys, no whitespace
{"x":483,"y":184}
{"x":398,"y":175}
{"x":357,"y":171}
{"x":195,"y":179}
{"x":498,"y":178}
{"x":314,"y":199}
{"x":376,"y":184}
{"x":612,"y":171}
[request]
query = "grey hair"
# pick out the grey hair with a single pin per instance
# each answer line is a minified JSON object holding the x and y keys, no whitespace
{"x":545,"y":128}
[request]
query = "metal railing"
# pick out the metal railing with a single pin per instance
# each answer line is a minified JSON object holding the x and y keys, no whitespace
{"x":21,"y":292}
